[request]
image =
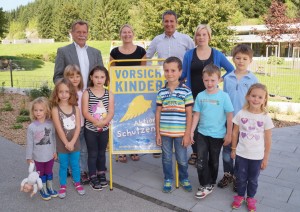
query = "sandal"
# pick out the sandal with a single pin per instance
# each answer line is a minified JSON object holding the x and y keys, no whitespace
{"x":134,"y":157}
{"x":122,"y":158}
{"x":193,"y":159}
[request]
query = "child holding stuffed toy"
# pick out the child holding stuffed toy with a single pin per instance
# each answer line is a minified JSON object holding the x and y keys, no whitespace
{"x":66,"y":119}
{"x":98,"y":110}
{"x":41,"y":145}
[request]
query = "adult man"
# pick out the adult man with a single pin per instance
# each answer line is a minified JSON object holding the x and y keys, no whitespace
{"x":86,"y":58}
{"x":77,"y":53}
{"x":170,"y":43}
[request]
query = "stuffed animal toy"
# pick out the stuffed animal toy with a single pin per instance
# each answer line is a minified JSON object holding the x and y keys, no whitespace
{"x":33,"y":182}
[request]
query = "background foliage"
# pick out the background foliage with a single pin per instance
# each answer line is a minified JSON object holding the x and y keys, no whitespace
{"x":53,"y":18}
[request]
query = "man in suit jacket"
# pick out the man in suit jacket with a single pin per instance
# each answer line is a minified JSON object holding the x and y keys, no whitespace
{"x":77,"y":53}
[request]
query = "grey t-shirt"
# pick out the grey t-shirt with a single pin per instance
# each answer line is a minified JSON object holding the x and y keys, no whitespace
{"x":41,"y":142}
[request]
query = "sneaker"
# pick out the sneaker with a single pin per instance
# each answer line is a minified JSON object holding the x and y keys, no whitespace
{"x":203,"y":192}
{"x":237,"y":202}
{"x":186,"y":185}
{"x":226,"y":180}
{"x":234,"y":187}
{"x":156,"y":155}
{"x":52,"y":192}
{"x":167,"y":186}
{"x":102,"y":179}
{"x":95,"y":184}
{"x":62,"y":192}
{"x":84,"y":178}
{"x":251,"y":204}
{"x":79,"y":188}
{"x":45,"y":195}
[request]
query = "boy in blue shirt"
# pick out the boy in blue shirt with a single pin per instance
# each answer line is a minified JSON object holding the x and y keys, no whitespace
{"x":173,"y":120}
{"x":212,"y":109}
{"x":236,"y":84}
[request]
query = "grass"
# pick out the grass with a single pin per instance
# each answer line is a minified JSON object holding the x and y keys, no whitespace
{"x":37,"y":72}
{"x":282,"y":80}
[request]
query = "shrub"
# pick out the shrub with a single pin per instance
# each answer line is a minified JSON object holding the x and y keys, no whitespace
{"x":24,"y":112}
{"x":44,"y":90}
{"x":275,"y":60}
{"x":21,"y":119}
{"x":7,"y":107}
{"x":17,"y":126}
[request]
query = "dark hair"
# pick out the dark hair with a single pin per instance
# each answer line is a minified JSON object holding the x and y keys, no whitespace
{"x":211,"y":69}
{"x":73,"y":94}
{"x":80,"y":22}
{"x":174,"y":60}
{"x":99,"y":68}
{"x":242,"y":48}
{"x":169,"y":12}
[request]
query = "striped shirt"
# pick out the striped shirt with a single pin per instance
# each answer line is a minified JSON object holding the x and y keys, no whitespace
{"x":173,"y":113}
{"x":98,"y":108}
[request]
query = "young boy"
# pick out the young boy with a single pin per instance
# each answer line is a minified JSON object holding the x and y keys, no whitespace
{"x":173,"y":120}
{"x":212,"y":110}
{"x":236,"y":84}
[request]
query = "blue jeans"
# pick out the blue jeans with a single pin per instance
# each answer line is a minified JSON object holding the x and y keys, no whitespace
{"x":64,"y":160}
{"x":83,"y":152}
{"x":96,"y":143}
{"x":180,"y":154}
{"x":247,"y":176}
{"x":208,"y":152}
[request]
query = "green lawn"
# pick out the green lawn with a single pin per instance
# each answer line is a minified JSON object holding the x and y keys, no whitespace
{"x":282,"y":80}
{"x":37,"y":72}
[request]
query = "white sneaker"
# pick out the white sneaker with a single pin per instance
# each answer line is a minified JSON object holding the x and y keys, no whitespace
{"x":203,"y":192}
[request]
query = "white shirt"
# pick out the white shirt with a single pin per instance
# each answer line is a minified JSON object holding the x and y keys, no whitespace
{"x":83,"y":62}
{"x":252,"y":130}
{"x":165,"y":46}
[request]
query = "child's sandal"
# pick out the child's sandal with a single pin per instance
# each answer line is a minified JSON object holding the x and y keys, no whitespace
{"x":79,"y":188}
{"x":193,"y":159}
{"x":134,"y":157}
{"x":62,"y":192}
{"x":122,"y":158}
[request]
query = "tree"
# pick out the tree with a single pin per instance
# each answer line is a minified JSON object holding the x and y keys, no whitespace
{"x":254,"y":8}
{"x":148,"y":20}
{"x":45,"y":21}
{"x":65,"y":14}
{"x":3,"y":23}
{"x":277,"y":22}
{"x":109,"y":15}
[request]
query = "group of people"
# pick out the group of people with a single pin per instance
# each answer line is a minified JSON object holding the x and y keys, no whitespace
{"x":191,"y":110}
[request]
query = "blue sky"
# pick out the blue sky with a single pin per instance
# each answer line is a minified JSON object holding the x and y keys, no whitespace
{"x":8,"y":5}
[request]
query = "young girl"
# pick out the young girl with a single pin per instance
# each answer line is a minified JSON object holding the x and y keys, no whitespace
{"x":72,"y":72}
{"x":66,"y":118}
{"x":98,"y":110}
{"x":253,"y":125}
{"x":41,"y":144}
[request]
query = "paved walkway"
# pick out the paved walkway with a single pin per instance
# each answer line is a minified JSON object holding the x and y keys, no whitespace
{"x":138,"y":184}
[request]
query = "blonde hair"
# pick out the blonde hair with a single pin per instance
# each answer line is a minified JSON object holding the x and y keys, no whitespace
{"x":70,"y":71}
{"x":126,"y":25}
{"x":257,"y":86}
{"x":73,"y":95}
{"x":43,"y":101}
{"x":203,"y":26}
{"x":211,"y":69}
